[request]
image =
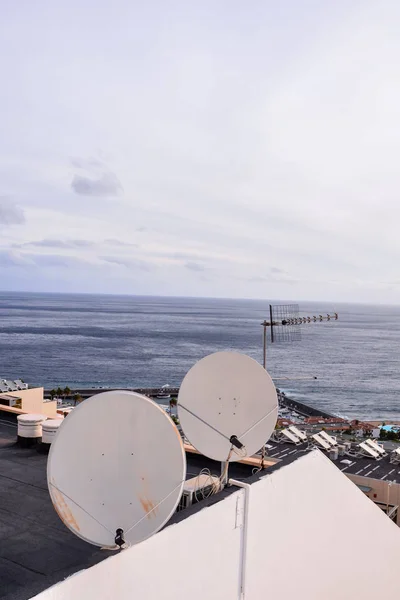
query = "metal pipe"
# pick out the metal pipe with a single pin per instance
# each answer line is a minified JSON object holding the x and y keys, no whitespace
{"x":224,"y":473}
{"x":388,"y":497}
{"x":272,"y":324}
{"x":244,"y":526}
{"x":265,"y":346}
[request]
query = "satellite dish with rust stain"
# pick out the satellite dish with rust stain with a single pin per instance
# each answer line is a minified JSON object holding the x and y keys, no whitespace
{"x":116,"y":469}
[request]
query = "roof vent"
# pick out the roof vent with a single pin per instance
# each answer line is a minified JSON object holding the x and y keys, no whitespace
{"x":29,"y":429}
{"x":49,"y":431}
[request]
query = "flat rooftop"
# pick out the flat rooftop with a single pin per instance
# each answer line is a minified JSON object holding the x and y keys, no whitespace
{"x":37,"y":550}
{"x":362,"y":465}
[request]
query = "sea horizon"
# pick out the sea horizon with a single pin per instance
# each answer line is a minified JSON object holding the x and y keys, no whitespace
{"x":185,"y":296}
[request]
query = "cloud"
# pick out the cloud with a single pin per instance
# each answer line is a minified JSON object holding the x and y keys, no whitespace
{"x":276,"y":275}
{"x":13,"y":259}
{"x":129,"y":263}
{"x":82,"y":243}
{"x":114,"y":242}
{"x":48,"y":243}
{"x":55,"y":260}
{"x":194,"y":266}
{"x":55,"y":243}
{"x":10,"y":213}
{"x":86,"y":163}
{"x":181,"y":256}
{"x":106,"y":185}
{"x":98,"y":179}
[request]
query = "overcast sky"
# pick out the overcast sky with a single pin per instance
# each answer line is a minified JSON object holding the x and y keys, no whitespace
{"x":213,"y":148}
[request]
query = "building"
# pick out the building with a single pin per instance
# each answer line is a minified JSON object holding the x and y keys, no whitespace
{"x":274,"y":533}
{"x":28,"y":400}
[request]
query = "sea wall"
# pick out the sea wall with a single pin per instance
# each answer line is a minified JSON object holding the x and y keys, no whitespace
{"x":304,"y":409}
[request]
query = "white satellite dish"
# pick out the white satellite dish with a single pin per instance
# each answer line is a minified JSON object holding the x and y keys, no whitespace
{"x":117,"y":463}
{"x":227,"y":401}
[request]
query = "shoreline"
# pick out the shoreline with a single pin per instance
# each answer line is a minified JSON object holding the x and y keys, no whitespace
{"x":301,"y":407}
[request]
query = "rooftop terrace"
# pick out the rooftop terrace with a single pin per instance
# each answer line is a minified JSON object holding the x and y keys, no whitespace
{"x":36,"y":549}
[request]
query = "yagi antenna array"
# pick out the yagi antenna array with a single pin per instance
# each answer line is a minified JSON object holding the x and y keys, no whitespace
{"x":116,"y":469}
{"x":285,"y":324}
{"x":227,"y":406}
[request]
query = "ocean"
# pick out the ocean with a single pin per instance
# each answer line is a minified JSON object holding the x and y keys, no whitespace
{"x":84,"y":340}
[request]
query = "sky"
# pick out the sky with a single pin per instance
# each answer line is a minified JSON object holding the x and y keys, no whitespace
{"x":215,"y":148}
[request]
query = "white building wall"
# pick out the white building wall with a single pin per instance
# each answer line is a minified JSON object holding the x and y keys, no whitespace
{"x":298,"y":546}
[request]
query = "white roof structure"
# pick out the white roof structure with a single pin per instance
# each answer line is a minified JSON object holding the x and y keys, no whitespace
{"x":300,"y":434}
{"x":368,"y":451}
{"x":395,"y":456}
{"x":321,"y":442}
{"x":20,"y":384}
{"x":372,"y":444}
{"x":12,"y":387}
{"x":258,"y":529}
{"x":328,"y":438}
{"x":290,"y":436}
{"x":7,"y":385}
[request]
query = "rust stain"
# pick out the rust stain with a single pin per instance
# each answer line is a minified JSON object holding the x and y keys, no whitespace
{"x":148,"y":507}
{"x":63,"y":510}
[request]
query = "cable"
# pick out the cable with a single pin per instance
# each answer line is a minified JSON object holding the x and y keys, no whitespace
{"x":263,"y":457}
{"x":214,"y":485}
{"x":262,"y":465}
{"x":81,"y":507}
{"x":154,"y":508}
{"x":258,"y":422}
{"x":204,"y":422}
{"x":241,"y":452}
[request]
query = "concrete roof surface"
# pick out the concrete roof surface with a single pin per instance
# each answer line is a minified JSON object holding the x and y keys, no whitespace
{"x":360,"y":465}
{"x":36,"y":549}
